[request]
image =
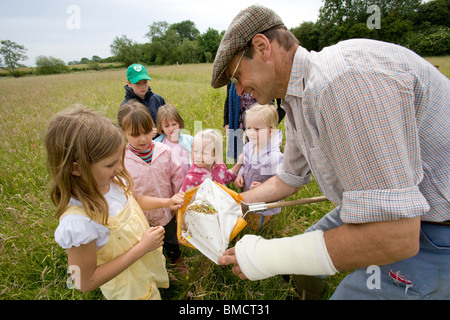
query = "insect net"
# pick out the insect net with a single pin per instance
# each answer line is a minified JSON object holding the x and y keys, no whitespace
{"x":210,"y":218}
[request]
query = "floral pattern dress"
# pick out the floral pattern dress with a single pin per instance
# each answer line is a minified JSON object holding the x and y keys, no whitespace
{"x":196,"y":175}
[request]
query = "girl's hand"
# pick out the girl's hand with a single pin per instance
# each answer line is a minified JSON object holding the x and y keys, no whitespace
{"x":177,"y":201}
{"x":255,"y":184}
{"x":239,"y":182}
{"x":152,"y":239}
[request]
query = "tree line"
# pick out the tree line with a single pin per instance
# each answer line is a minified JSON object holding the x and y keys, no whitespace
{"x":423,"y":27}
{"x":169,"y":44}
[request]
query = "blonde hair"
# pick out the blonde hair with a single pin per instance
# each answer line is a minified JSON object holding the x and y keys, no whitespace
{"x":268,"y":113}
{"x":134,"y":119}
{"x":166,"y":113}
{"x":85,"y":137}
{"x":215,"y":138}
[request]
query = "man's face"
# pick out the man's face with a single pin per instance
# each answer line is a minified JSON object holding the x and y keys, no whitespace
{"x":253,"y":77}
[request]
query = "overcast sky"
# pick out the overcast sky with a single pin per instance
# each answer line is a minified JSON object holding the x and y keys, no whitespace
{"x":72,"y":29}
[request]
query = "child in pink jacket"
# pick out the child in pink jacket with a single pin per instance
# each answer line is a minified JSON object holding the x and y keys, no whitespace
{"x":155,"y":170}
{"x":207,"y":158}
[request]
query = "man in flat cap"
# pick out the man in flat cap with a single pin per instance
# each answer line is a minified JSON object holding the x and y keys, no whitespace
{"x":371,"y":121}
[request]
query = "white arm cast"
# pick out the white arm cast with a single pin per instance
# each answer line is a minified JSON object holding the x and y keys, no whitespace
{"x":305,"y":254}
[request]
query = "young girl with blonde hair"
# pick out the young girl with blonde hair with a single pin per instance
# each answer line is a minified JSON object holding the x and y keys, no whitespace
{"x":108,"y":240}
{"x":169,"y":124}
{"x":154,"y":168}
{"x":262,"y":154}
{"x":207,"y":158}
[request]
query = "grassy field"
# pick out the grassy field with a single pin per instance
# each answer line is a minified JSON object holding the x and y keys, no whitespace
{"x":443,"y":64}
{"x":32,"y":265}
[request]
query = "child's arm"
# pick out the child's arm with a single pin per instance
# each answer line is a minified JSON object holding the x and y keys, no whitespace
{"x":238,"y":164}
{"x":148,"y":203}
{"x":88,"y":276}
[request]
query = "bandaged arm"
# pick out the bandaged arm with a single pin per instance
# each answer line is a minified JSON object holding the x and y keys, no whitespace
{"x":306,"y":254}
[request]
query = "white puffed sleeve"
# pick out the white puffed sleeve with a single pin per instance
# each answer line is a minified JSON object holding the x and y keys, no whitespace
{"x":75,"y":230}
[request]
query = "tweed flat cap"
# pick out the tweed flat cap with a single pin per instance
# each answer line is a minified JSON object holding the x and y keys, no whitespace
{"x":249,"y":22}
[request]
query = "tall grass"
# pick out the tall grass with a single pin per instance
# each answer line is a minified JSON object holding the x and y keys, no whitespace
{"x":32,"y":265}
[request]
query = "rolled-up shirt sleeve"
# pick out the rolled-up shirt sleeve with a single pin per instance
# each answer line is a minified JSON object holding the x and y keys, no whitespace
{"x":381,"y":205}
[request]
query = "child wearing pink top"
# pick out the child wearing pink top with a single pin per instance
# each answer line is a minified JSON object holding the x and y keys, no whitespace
{"x":207,"y":158}
{"x":155,"y":170}
{"x":169,"y":124}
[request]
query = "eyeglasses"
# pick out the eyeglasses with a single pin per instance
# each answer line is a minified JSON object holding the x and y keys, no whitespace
{"x":232,"y":78}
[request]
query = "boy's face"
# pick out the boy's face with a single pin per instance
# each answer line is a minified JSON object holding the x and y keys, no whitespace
{"x":140,"y":88}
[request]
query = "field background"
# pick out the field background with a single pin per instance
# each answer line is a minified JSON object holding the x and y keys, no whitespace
{"x":32,"y":265}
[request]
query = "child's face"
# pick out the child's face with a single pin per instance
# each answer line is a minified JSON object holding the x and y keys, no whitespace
{"x":257,"y":131}
{"x":142,"y":141}
{"x":172,"y":129}
{"x":203,"y":152}
{"x":105,"y":170}
{"x":140,"y":88}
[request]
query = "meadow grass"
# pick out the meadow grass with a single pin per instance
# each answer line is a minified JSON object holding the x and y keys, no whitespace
{"x":443,"y":64}
{"x":32,"y":265}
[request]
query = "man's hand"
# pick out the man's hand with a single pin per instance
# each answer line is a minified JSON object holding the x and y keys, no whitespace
{"x":229,"y":257}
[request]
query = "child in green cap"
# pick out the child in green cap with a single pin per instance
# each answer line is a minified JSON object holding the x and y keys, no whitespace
{"x":137,"y":88}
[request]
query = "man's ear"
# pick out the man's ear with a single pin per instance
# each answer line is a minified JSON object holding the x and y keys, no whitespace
{"x":76,"y":169}
{"x":262,"y":46}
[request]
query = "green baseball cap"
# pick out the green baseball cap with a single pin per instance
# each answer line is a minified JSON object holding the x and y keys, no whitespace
{"x":137,"y":72}
{"x":248,"y":23}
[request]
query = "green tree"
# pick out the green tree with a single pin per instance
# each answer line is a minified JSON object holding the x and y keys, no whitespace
{"x":12,"y":53}
{"x":188,"y":51}
{"x":172,"y":44}
{"x":308,"y":35}
{"x":157,"y":30}
{"x":160,"y":52}
{"x":186,"y":30}
{"x":209,"y":42}
{"x":431,"y":42}
{"x":434,"y":13}
{"x":208,"y":57}
{"x":164,"y":42}
{"x":50,"y":65}
{"x":345,"y":19}
{"x":125,"y":50}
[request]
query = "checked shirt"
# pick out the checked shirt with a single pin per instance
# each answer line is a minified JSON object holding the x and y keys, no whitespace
{"x":371,"y":121}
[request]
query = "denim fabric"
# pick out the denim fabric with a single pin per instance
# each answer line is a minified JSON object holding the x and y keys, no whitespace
{"x":424,"y":276}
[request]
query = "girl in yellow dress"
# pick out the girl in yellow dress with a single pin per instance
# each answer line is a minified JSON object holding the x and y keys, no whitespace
{"x":101,"y":225}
